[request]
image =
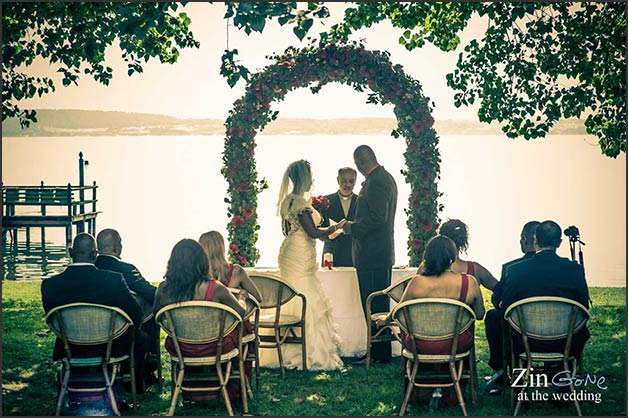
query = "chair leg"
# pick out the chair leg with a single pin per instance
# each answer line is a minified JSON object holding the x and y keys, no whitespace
{"x":64,"y":388}
{"x":243,"y":386}
{"x":108,"y":384}
{"x":177,"y":389}
{"x":304,"y":347}
{"x":404,"y":405}
{"x":257,"y":363}
{"x":223,"y":389}
{"x":571,"y":387}
{"x":279,"y":353}
{"x":368,"y":344}
{"x":523,"y":389}
{"x":455,"y":376}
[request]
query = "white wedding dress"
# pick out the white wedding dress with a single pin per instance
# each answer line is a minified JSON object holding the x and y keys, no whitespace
{"x":298,"y":265}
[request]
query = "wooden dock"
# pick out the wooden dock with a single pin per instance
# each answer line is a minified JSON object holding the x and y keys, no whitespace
{"x":46,"y":206}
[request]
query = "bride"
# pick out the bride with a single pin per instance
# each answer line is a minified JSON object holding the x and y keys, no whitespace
{"x":298,"y":266}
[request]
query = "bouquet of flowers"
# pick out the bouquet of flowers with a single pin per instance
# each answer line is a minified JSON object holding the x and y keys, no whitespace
{"x":320,"y":203}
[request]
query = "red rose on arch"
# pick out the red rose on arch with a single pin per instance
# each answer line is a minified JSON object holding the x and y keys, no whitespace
{"x":416,"y":244}
{"x":414,"y":204}
{"x":241,"y":259}
{"x":243,"y":187}
{"x":231,"y":172}
{"x":237,"y":221}
{"x":234,"y":247}
{"x":427,"y":226}
{"x":247,"y":212}
{"x":427,"y":175}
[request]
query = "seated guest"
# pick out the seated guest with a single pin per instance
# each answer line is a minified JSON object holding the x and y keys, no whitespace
{"x":495,"y":317}
{"x":342,"y":205}
{"x":187,"y":279}
{"x":437,"y":280}
{"x":81,"y":281}
{"x":109,"y":251}
{"x":459,"y":234}
{"x":231,"y":275}
{"x":546,"y":274}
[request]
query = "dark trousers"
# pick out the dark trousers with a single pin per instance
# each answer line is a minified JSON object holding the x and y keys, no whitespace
{"x":494,"y":325}
{"x":371,"y":281}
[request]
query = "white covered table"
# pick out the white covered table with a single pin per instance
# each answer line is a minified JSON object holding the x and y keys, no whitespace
{"x":341,"y":286}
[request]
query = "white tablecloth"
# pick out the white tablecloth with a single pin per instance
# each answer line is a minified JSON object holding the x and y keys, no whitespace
{"x":341,"y":285}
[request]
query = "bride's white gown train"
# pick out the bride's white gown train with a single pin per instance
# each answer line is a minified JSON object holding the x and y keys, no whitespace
{"x":298,"y":265}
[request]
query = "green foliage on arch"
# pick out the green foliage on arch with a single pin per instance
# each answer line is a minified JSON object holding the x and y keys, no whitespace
{"x":314,"y":67}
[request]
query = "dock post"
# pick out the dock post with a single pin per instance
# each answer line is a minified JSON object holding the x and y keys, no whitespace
{"x":94,"y":208}
{"x":81,"y":181}
{"x":28,"y":239}
{"x":43,"y":213}
{"x":68,"y":227}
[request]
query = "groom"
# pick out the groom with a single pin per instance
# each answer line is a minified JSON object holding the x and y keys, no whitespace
{"x":373,"y":236}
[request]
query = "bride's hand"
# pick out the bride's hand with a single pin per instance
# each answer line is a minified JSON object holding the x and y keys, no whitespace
{"x":341,"y":224}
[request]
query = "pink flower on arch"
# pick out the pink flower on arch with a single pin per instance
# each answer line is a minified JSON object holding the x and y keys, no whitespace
{"x":237,"y":221}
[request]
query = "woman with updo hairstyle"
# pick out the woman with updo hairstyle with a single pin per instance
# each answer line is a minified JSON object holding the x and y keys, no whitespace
{"x":435,"y":279}
{"x":459,"y":234}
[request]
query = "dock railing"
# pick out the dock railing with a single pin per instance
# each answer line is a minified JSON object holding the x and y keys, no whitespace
{"x":46,"y":206}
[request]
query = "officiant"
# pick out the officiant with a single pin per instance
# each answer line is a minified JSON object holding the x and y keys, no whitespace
{"x":342,"y":205}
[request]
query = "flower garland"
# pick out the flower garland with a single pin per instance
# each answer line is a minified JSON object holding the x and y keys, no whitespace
{"x":313,"y":67}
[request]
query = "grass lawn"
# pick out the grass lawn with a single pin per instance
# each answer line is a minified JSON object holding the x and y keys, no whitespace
{"x":28,"y":372}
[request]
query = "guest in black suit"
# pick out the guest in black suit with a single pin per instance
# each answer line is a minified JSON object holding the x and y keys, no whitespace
{"x":494,"y":320}
{"x":342,"y":205}
{"x":547,"y":274}
{"x":109,"y":251}
{"x":373,"y":236}
{"x":83,"y":282}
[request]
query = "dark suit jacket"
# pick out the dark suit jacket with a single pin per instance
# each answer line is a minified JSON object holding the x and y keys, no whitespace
{"x":85,"y":283}
{"x":132,"y":276}
{"x":341,"y":246}
{"x":547,"y":274}
{"x":496,"y":298}
{"x":374,"y":227}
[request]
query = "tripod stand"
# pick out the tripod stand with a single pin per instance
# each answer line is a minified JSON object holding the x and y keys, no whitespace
{"x":573,"y":240}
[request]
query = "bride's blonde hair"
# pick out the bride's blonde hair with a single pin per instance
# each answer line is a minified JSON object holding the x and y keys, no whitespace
{"x":299,"y":174}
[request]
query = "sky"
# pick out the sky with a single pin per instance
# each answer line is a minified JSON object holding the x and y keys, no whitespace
{"x":193,"y":87}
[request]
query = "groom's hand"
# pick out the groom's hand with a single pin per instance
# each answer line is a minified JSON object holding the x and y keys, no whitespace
{"x":347,"y":227}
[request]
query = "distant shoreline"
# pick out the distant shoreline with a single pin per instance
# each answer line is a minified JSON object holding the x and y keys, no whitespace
{"x":69,"y":123}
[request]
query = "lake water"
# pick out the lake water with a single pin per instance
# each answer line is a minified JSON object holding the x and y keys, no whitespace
{"x":158,"y":190}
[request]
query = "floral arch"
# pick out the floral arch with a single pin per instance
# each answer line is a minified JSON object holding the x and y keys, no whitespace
{"x":314,"y":67}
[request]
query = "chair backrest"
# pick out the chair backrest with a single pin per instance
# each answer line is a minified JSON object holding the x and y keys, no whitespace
{"x":252,"y":304}
{"x":197,"y":322}
{"x":547,"y":317}
{"x":433,"y":318}
{"x":395,"y":290}
{"x":274,"y":291}
{"x":88,"y":323}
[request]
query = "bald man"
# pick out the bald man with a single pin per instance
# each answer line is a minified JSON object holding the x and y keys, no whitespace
{"x":109,"y":252}
{"x":373,"y":233}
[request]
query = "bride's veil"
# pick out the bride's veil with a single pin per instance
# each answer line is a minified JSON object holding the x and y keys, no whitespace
{"x":299,"y":175}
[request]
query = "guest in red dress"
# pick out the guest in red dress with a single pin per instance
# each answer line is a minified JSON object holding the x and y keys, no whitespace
{"x":186,"y":279}
{"x":459,"y":234}
{"x":437,"y":280}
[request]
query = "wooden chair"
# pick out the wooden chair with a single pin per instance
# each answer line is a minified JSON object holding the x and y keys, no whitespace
{"x":546,"y":318}
{"x":394,"y":292}
{"x":155,"y":355}
{"x":275,"y":294}
{"x":91,"y":324}
{"x":436,"y":319}
{"x":250,"y":342}
{"x":203,"y":322}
